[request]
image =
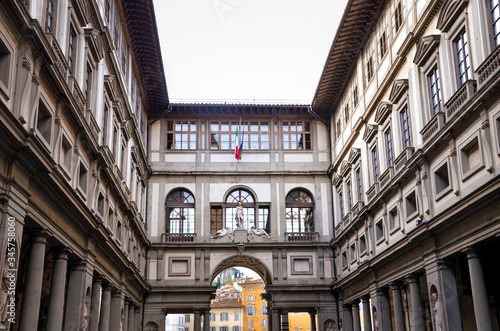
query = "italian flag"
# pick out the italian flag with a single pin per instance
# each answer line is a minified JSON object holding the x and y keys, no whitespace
{"x":237,"y":148}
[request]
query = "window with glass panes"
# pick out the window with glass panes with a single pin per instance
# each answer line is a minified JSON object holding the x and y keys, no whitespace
{"x":50,"y":13}
{"x":388,"y":147}
{"x":88,"y":83}
{"x":349,"y":195}
{"x":495,"y":18}
{"x":435,"y":91}
{"x":341,"y":203}
{"x":299,"y":212}
{"x":383,"y":36}
{"x":251,"y":135}
{"x":296,"y":135}
{"x":71,"y":49}
{"x":397,"y":18}
{"x":248,"y":204}
{"x":462,"y":57}
{"x":215,"y":219}
{"x":180,"y":212}
{"x":405,"y":127}
{"x":374,"y":153}
{"x":358,"y":184}
{"x":181,"y":135}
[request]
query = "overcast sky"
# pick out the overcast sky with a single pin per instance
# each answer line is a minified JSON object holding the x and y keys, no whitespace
{"x":245,"y":49}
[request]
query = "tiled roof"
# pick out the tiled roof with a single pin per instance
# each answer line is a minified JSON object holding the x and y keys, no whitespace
{"x":352,"y":34}
{"x":141,"y":22}
{"x":227,"y":303}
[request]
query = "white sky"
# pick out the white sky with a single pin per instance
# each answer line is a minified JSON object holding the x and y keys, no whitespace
{"x":245,"y":49}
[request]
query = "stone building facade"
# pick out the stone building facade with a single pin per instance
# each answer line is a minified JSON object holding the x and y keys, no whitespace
{"x":74,"y":90}
{"x":413,"y":92}
{"x":118,"y":208}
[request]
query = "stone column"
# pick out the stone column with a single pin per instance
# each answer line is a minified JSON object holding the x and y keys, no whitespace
{"x":417,"y":311}
{"x":276,"y":320}
{"x":206,"y":320}
{"x":367,"y":320}
{"x":399,"y":314}
{"x":115,"y":312}
{"x":131,"y":317}
{"x":347,"y":318}
{"x":105,"y":309}
{"x":138,"y":319}
{"x":197,"y":321}
{"x":312,"y":314}
{"x":33,"y":284}
{"x":479,"y":295}
{"x":95,"y":304}
{"x":284,"y":322}
{"x":356,"y":322}
{"x":448,"y":296}
{"x":380,"y":300}
{"x":75,"y":298}
{"x":125,"y":316}
{"x":57,"y":287}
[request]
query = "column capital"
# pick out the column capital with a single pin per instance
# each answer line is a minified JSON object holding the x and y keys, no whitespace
{"x":396,"y":284}
{"x":365,"y":298}
{"x":472,"y":252}
{"x":39,"y":236}
{"x":412,"y":278}
{"x":61,"y":253}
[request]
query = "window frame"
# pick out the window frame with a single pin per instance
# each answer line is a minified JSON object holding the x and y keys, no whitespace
{"x":184,"y":200}
{"x":446,"y":189}
{"x":174,"y":132}
{"x":308,"y":217}
{"x":307,"y":135}
{"x":462,"y":35}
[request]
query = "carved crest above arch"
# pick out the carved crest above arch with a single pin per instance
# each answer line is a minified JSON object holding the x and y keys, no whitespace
{"x":425,"y":48}
{"x":383,"y":110}
{"x":354,"y":155}
{"x":370,"y":132}
{"x":399,"y":88}
{"x":336,"y":180}
{"x":449,"y":13}
{"x":345,"y":167}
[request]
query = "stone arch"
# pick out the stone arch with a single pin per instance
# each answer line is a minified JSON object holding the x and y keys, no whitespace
{"x":240,"y":187}
{"x":244,"y":261}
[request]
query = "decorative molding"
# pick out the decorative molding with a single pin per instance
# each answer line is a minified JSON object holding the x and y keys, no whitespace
{"x":425,"y":48}
{"x":94,"y":43}
{"x":449,"y":13}
{"x":399,"y":87}
{"x":370,"y":132}
{"x":383,"y":110}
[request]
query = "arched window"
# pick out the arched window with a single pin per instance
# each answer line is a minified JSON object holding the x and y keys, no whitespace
{"x":248,"y":204}
{"x":180,"y":212}
{"x":299,"y":212}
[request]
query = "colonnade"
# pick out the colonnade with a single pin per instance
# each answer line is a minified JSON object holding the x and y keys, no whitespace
{"x":408,"y":310}
{"x":75,"y":294}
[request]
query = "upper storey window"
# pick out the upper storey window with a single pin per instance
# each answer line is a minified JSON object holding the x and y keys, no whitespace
{"x":434,"y":90}
{"x":244,"y":199}
{"x":254,"y":135}
{"x":495,"y":18}
{"x":180,"y":212}
{"x":50,"y":15}
{"x":181,"y":135}
{"x":72,"y":49}
{"x":398,"y":16}
{"x":296,"y":135}
{"x":461,"y":47}
{"x":299,"y":212}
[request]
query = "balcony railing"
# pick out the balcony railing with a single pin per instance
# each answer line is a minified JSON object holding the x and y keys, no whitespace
{"x":302,"y":236}
{"x":489,"y":67}
{"x":178,"y":237}
{"x":464,"y":93}
{"x":434,"y":125}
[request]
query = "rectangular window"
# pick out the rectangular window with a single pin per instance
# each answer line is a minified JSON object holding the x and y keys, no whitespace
{"x":338,"y":131}
{"x":495,"y":17}
{"x":187,"y":318}
{"x":405,"y":127}
{"x":435,"y":91}
{"x":398,"y":17}
{"x":379,"y":231}
{"x":358,"y":182}
{"x":212,"y":317}
{"x":250,"y":297}
{"x":376,"y":173}
{"x":250,"y":322}
{"x":223,"y":328}
{"x":263,"y":322}
{"x":263,"y":310}
{"x":355,"y":95}
{"x":71,"y":49}
{"x":50,"y":15}
{"x":44,"y":122}
{"x":66,"y":153}
{"x":341,"y":204}
{"x":215,"y":219}
{"x":181,"y":135}
{"x":369,"y":70}
{"x":251,"y":135}
{"x":411,"y":204}
{"x":224,"y":317}
{"x":296,"y":135}
{"x":88,"y":83}
{"x":250,"y":310}
{"x":4,"y":63}
{"x":346,"y":113}
{"x":105,"y":124}
{"x":349,"y":195}
{"x":362,"y":244}
{"x":388,"y":146}
{"x":82,"y":178}
{"x":442,"y":178}
{"x":393,"y":219}
{"x":383,"y":45}
{"x":462,"y":57}
{"x":236,"y":328}
{"x":236,"y":315}
{"x":263,"y":219}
